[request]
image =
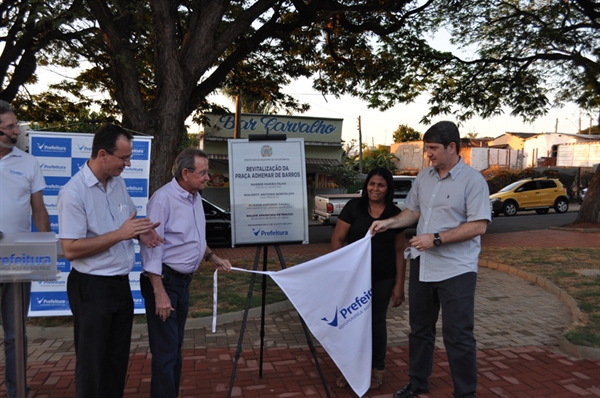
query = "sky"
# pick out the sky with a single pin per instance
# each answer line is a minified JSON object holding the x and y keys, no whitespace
{"x":378,"y":127}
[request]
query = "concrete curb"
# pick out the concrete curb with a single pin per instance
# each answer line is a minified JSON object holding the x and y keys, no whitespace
{"x":38,"y":332}
{"x":577,"y":351}
{"x":576,"y":229}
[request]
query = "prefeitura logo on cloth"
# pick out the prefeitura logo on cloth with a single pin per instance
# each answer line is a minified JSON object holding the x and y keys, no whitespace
{"x":350,"y":312}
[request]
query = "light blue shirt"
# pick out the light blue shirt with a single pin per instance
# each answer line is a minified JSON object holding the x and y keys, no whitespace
{"x":182,"y":225}
{"x":445,"y":203}
{"x":20,"y":177}
{"x":86,"y":210}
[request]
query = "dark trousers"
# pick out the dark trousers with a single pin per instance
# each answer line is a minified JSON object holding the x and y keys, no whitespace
{"x":166,"y":337}
{"x":103,"y":315}
{"x":8,"y":306}
{"x":382,"y":292}
{"x":456,"y":297}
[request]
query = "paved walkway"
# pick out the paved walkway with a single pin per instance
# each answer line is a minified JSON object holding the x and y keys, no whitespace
{"x":518,"y":325}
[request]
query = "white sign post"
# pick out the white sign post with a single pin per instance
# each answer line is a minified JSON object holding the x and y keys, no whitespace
{"x":268,"y":191}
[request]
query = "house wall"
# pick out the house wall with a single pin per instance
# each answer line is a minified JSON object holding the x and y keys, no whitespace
{"x":411,"y":155}
{"x":580,"y":154}
{"x":540,"y":146}
{"x":507,"y":139}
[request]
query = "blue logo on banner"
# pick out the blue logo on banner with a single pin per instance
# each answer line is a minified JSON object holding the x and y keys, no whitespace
{"x":51,"y":147}
{"x":84,"y":148}
{"x":76,"y":165}
{"x":140,"y":150}
{"x":350,"y":311}
{"x":137,"y":187}
{"x":49,"y":301}
{"x":137,"y":265}
{"x":54,"y":184}
{"x":51,"y":167}
{"x":138,"y":300}
{"x":63,"y":265}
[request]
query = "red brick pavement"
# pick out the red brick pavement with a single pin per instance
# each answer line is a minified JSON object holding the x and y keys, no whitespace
{"x":508,"y":372}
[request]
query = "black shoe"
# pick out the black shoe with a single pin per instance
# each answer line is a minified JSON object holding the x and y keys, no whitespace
{"x":409,"y":391}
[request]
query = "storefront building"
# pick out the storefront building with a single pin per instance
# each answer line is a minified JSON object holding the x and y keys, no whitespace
{"x":322,"y":146}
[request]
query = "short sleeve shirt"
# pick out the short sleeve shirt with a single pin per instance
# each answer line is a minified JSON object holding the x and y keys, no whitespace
{"x":445,"y":203}
{"x":86,"y":210}
{"x":383,"y":250}
{"x":20,"y":177}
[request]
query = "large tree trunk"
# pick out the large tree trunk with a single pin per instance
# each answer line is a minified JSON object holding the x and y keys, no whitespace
{"x":166,"y":145}
{"x":590,"y":207}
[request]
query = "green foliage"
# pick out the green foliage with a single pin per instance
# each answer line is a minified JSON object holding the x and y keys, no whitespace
{"x":159,"y":61}
{"x":404,"y":134}
{"x":344,"y":175}
{"x":54,"y":112}
{"x":378,"y":157}
{"x":527,"y":55}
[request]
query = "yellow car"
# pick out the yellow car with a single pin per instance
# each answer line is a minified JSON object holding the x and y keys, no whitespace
{"x":539,"y":194}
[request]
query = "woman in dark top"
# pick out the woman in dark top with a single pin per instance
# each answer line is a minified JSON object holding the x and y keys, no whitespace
{"x":387,"y":257}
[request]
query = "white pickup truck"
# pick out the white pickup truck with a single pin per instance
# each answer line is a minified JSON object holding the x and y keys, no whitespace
{"x":328,"y":206}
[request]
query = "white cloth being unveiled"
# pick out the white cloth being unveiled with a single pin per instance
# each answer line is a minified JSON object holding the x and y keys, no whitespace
{"x":333,"y":295}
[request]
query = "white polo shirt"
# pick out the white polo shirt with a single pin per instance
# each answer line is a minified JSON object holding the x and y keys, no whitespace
{"x":20,"y":177}
{"x":86,"y":210}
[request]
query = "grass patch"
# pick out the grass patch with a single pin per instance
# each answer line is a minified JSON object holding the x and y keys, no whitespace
{"x":232,"y":296}
{"x":562,"y":267}
{"x":559,"y":265}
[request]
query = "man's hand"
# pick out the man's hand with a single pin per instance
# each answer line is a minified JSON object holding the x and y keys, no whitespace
{"x":163,"y":305}
{"x":220,"y":264}
{"x":152,"y":238}
{"x":162,"y":301}
{"x":422,"y":242}
{"x":133,"y":227}
{"x":378,"y":226}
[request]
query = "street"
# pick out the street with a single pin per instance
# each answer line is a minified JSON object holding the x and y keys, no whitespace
{"x":522,"y":221}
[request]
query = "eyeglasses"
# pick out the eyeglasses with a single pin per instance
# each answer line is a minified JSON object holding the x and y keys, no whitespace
{"x":10,"y":127}
{"x":202,"y":173}
{"x":125,"y":159}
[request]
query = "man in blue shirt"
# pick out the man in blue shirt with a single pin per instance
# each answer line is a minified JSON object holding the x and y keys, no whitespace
{"x":450,"y":201}
{"x":21,"y":185}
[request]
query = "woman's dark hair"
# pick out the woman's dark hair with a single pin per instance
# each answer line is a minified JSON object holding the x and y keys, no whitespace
{"x":363,"y":204}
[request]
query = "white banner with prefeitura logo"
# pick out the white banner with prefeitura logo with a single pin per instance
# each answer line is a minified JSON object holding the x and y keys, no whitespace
{"x":61,"y":156}
{"x":333,"y":295}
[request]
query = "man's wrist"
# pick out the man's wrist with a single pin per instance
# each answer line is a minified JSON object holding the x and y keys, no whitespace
{"x":208,"y":255}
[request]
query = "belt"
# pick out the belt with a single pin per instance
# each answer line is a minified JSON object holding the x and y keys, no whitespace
{"x":170,"y":271}
{"x":117,"y":277}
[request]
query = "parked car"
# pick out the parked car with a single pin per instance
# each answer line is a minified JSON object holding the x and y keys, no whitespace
{"x":328,"y":206}
{"x":218,"y":224}
{"x":402,"y":184}
{"x":539,"y":194}
{"x":581,"y":195}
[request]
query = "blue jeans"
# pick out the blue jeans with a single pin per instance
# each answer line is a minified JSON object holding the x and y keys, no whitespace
{"x":8,"y":324}
{"x":456,"y":297}
{"x":166,"y":337}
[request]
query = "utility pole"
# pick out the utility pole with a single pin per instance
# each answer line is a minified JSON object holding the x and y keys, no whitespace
{"x":360,"y":169}
{"x":238,"y":115}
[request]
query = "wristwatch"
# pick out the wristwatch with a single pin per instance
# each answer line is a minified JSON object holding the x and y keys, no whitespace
{"x":437,"y":241}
